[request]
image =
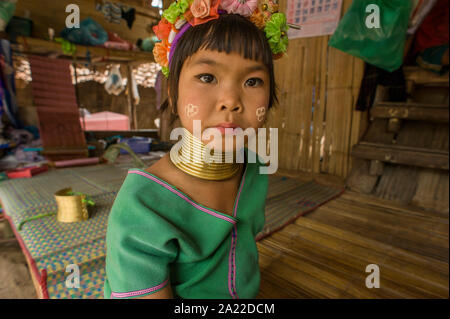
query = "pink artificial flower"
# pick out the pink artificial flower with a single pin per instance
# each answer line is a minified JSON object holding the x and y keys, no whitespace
{"x":200,"y":8}
{"x":206,"y":11}
{"x":242,"y":7}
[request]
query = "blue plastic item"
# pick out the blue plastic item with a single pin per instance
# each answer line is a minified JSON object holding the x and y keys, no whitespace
{"x":90,"y":32}
{"x":137,"y":144}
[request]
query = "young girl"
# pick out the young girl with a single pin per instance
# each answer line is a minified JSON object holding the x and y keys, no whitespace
{"x":183,"y":227}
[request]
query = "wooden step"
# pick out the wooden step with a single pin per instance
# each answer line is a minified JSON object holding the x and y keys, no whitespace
{"x":424,"y":77}
{"x":399,"y":154}
{"x":411,"y":111}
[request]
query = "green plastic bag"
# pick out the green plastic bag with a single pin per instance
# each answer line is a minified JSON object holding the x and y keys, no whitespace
{"x":375,"y":31}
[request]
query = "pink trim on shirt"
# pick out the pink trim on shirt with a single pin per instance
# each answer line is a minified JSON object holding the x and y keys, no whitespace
{"x":137,"y":292}
{"x":232,"y":256}
{"x":182,"y":196}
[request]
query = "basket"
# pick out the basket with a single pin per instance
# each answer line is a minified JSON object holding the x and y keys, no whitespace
{"x":71,"y":208}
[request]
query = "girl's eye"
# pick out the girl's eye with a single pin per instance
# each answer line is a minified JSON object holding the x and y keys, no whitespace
{"x":206,"y":78}
{"x":254,"y":82}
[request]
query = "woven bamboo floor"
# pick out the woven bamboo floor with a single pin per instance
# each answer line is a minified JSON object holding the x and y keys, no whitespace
{"x":324,"y":253}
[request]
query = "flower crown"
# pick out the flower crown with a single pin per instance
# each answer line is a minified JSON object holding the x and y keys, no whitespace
{"x":182,"y":14}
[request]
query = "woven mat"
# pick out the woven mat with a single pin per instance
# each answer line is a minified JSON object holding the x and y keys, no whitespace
{"x":53,"y":245}
{"x":288,"y":199}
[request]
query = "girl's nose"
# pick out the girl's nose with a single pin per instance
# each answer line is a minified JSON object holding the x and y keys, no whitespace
{"x":230,"y":100}
{"x":236,"y":108}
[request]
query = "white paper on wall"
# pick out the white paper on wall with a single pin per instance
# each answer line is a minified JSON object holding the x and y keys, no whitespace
{"x":316,"y":17}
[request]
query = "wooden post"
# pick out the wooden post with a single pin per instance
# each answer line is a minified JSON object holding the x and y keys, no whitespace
{"x":376,"y":167}
{"x":130,"y":99}
{"x":394,"y":125}
{"x":409,"y":90}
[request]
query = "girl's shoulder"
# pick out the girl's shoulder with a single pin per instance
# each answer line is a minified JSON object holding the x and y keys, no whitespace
{"x":165,"y":170}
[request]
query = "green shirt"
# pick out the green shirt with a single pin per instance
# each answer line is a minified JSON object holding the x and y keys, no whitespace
{"x":156,"y":234}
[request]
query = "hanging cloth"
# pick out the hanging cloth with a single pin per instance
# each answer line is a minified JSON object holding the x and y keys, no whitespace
{"x":7,"y":86}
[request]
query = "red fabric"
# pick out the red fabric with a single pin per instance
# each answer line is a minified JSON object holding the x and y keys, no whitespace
{"x":434,"y":29}
{"x":26,"y":172}
{"x":56,"y":105}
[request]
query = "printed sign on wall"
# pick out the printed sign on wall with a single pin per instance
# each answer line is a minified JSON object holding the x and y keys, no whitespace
{"x":316,"y":17}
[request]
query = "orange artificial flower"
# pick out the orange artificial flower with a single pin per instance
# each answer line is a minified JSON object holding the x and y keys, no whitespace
{"x":163,"y":28}
{"x":201,"y":8}
{"x":160,"y":51}
{"x":257,"y":18}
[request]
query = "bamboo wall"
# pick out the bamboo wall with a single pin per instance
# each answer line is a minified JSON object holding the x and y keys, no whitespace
{"x":316,"y":121}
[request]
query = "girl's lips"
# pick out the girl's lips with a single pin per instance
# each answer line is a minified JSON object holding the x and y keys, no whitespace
{"x":226,"y":125}
{"x":222,"y":129}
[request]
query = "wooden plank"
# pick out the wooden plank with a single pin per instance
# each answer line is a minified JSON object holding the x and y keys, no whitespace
{"x":411,"y":112}
{"x":396,"y":225}
{"x":343,"y":238}
{"x":359,"y":179}
{"x":398,"y":183}
{"x":36,"y":45}
{"x":103,"y":134}
{"x":421,"y":76}
{"x":358,"y":122}
{"x":433,"y":226}
{"x":424,"y":242}
{"x":394,"y":208}
{"x":402,"y":155}
{"x":432,"y":190}
{"x":377,"y":132}
{"x":305,"y":257}
{"x":337,"y":264}
{"x":295,"y":99}
{"x":54,"y":16}
{"x":319,"y":106}
{"x":398,"y":270}
{"x":424,"y":135}
{"x":308,"y":80}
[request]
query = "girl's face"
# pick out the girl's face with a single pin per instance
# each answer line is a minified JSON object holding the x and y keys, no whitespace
{"x":218,"y":89}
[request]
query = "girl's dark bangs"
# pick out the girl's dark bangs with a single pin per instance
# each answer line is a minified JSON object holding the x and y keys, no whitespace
{"x":228,"y":34}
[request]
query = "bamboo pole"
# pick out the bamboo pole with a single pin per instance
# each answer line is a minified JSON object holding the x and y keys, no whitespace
{"x":130,"y":100}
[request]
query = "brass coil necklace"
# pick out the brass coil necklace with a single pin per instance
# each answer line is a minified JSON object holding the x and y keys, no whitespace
{"x":190,"y":159}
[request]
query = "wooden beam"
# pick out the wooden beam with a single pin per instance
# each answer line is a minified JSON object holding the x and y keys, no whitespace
{"x":410,"y":111}
{"x":421,"y":76}
{"x":51,"y":14}
{"x":399,"y":154}
{"x":40,"y":46}
{"x":104,"y":134}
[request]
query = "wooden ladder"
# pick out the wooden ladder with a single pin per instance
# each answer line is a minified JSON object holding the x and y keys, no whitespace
{"x":413,"y":134}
